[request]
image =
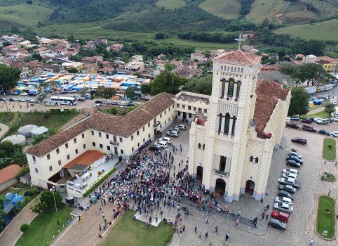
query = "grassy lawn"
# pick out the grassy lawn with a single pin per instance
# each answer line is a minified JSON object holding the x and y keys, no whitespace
{"x":224,"y":9}
{"x":133,"y":232}
{"x":6,"y":117}
{"x":329,"y":153}
{"x":321,"y":114}
{"x":47,"y":119}
{"x":171,"y":4}
{"x":326,"y":221}
{"x":325,"y":31}
{"x":43,"y":227}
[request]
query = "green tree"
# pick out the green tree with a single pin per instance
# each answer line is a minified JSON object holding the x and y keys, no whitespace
{"x":201,"y":85}
{"x":82,"y":92}
{"x":19,"y":157}
{"x":72,"y":70}
{"x":145,"y":89}
{"x":299,"y":101}
{"x":106,"y":93}
{"x":131,"y":93}
{"x":330,"y":108}
{"x":9,"y":76}
{"x":168,"y":81}
{"x":24,"y":227}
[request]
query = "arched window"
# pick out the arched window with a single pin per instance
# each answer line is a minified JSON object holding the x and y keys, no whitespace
{"x":222,"y":68}
{"x":199,"y":145}
{"x":223,"y":88}
{"x":232,"y":69}
{"x":220,"y":123}
{"x":241,"y":70}
{"x":238,"y":89}
{"x":203,"y":146}
{"x":227,"y":124}
{"x":233,"y":126}
{"x":231,"y":87}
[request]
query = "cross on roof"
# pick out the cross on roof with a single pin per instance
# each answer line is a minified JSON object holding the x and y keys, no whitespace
{"x":239,"y":40}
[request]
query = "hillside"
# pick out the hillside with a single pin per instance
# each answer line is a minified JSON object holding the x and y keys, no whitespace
{"x":149,"y":16}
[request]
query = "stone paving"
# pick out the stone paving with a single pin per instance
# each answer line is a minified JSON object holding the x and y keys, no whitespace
{"x":301,"y":226}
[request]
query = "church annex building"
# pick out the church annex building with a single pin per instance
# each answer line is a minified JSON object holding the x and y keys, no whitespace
{"x":231,"y":140}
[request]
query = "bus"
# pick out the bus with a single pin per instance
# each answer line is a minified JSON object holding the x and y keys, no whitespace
{"x":63,"y":100}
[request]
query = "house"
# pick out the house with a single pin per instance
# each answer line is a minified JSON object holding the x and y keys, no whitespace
{"x":329,"y":64}
{"x":310,"y":59}
{"x":248,"y":34}
{"x":134,"y":66}
{"x":7,"y":176}
{"x":117,"y":47}
{"x":198,"y":56}
{"x":102,"y":133}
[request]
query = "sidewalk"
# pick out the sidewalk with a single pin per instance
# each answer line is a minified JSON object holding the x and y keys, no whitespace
{"x":3,"y":130}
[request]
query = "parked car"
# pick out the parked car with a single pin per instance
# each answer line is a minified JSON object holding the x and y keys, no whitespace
{"x":81,"y":99}
{"x":336,"y":119}
{"x":290,"y":181}
{"x":284,"y":207}
{"x":161,"y":144}
{"x":98,"y":101}
{"x":21,"y":100}
{"x":295,"y":154}
{"x":181,"y":127}
{"x":308,"y":128}
{"x":289,"y":175}
{"x":322,"y":122}
{"x":294,"y":117}
{"x":280,"y":216}
{"x":114,"y":103}
{"x":334,"y":134}
{"x":2,"y":99}
{"x":295,"y":158}
{"x":287,"y":188}
{"x":293,"y":125}
{"x":299,"y":140}
{"x":290,"y":170}
{"x":292,"y":163}
{"x":131,"y":103}
{"x":324,"y":132}
{"x":172,"y":134}
{"x":154,"y":147}
{"x":176,"y":128}
{"x":284,"y":193}
{"x":329,"y":120}
{"x":23,"y":94}
{"x":277,"y":224}
{"x":307,"y":120}
{"x":281,"y":199}
{"x":13,"y":99}
{"x":166,"y":140}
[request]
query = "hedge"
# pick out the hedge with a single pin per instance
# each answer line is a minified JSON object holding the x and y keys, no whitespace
{"x":99,"y":182}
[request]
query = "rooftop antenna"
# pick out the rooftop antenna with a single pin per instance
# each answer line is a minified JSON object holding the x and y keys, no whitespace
{"x":239,"y":40}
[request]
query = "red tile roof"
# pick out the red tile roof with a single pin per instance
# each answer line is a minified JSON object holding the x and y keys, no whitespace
{"x":238,"y":57}
{"x":9,"y":173}
{"x":123,"y":126}
{"x":86,"y":158}
{"x":268,"y":93}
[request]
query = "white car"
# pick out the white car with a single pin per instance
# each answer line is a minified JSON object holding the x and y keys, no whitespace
{"x":280,"y":199}
{"x":290,"y":170}
{"x":289,"y":175}
{"x":334,"y":134}
{"x":284,"y":207}
{"x":182,"y":127}
{"x":165,"y":139}
{"x":336,"y":119}
{"x":161,"y":144}
{"x":23,"y":94}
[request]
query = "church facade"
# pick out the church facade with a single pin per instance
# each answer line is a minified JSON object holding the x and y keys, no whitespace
{"x":235,"y":130}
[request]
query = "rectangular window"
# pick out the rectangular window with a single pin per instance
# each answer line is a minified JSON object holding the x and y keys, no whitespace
{"x":178,"y":105}
{"x":101,"y":146}
{"x":34,"y":158}
{"x":107,"y":136}
{"x":165,"y":111}
{"x":66,"y":145}
{"x":132,"y":137}
{"x":82,"y":135}
{"x":161,"y":115}
{"x":59,"y":162}
{"x":144,"y":140}
{"x":68,"y":157}
{"x":194,"y":108}
{"x":149,"y":135}
{"x":76,"y":151}
{"x":138,"y":144}
{"x":143,"y":128}
{"x":121,"y":151}
{"x":93,"y":143}
{"x":115,"y":140}
{"x":205,"y":111}
{"x":57,"y":151}
{"x":190,"y":115}
{"x":48,"y":157}
{"x":50,"y":168}
{"x":108,"y":147}
{"x":36,"y":170}
{"x":189,"y":107}
{"x":183,"y":106}
{"x":100,"y":135}
{"x":132,"y":149}
{"x":178,"y":113}
{"x":138,"y":133}
{"x":84,"y":146}
{"x":121,"y":140}
{"x":92,"y":133}
{"x":148,"y":124}
{"x":75,"y":140}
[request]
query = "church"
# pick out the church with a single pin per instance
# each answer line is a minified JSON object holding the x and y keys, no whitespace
{"x":235,"y":130}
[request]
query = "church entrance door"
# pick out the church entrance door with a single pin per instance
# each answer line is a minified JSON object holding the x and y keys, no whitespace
{"x":220,"y":187}
{"x":199,"y":174}
{"x":249,"y":188}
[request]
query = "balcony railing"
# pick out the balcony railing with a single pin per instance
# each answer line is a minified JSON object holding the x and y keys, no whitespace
{"x":114,"y":143}
{"x":226,"y":174}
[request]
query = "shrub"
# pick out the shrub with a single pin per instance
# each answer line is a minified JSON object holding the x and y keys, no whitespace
{"x":24,"y":228}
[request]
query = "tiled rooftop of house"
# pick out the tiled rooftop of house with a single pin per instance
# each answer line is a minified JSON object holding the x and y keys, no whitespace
{"x":9,"y":173}
{"x":268,"y":94}
{"x":238,"y":57}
